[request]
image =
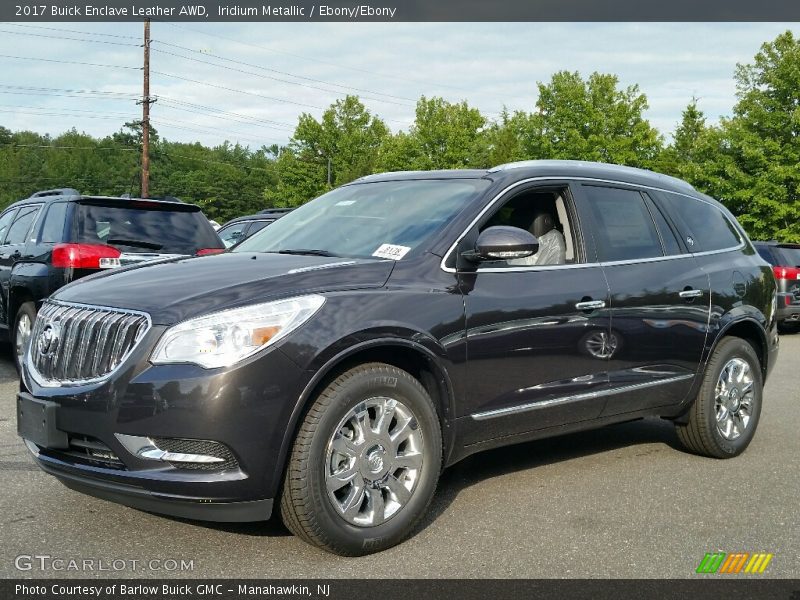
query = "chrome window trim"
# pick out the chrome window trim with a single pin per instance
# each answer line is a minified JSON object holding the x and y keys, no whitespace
{"x":496,"y":199}
{"x":522,"y":408}
{"x":54,"y":383}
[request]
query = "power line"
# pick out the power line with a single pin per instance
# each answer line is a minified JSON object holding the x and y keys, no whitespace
{"x":229,"y":89}
{"x":317,"y":60}
{"x":129,"y":96}
{"x":70,"y":62}
{"x":263,"y":76}
{"x":61,"y":37}
{"x":59,"y":147}
{"x":97,"y":33}
{"x":262,"y":68}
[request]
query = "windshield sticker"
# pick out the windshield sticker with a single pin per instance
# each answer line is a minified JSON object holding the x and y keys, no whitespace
{"x":345,"y":202}
{"x":391,"y":251}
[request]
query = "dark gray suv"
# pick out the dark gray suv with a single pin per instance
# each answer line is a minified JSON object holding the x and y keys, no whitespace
{"x":332,"y":365}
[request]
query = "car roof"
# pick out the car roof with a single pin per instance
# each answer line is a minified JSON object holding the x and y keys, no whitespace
{"x":546,"y":168}
{"x":71,"y":195}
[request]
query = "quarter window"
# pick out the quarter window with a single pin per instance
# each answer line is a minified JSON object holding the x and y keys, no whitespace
{"x":707,"y":226}
{"x":53,"y":228}
{"x":624,"y":226}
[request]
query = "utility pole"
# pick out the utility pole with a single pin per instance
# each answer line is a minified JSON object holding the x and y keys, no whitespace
{"x":146,"y":102}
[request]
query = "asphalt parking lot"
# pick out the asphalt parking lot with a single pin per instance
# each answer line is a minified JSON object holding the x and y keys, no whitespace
{"x":623,"y":501}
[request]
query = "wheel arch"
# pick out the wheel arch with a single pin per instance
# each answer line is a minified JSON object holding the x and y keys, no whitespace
{"x":751,"y":331}
{"x":416,"y":359}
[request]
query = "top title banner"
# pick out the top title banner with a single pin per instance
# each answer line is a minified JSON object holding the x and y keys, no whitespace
{"x":401,"y":10}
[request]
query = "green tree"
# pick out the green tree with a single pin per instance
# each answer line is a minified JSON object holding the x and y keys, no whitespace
{"x":591,"y":120}
{"x":751,"y":162}
{"x":339,"y":148}
{"x":691,"y":144}
{"x":444,"y":136}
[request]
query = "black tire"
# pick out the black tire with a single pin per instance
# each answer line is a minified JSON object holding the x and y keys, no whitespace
{"x":701,"y":434}
{"x":26,"y":309}
{"x":306,"y":508}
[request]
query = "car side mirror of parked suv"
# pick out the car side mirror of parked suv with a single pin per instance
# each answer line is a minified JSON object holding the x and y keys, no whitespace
{"x":503,"y":243}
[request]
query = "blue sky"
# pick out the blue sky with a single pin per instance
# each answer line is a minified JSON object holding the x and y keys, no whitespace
{"x":303,"y":67}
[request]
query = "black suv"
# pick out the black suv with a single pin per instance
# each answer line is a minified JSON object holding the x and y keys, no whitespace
{"x":57,"y":236}
{"x":240,"y":228}
{"x":785,"y":261}
{"x":391,"y":328}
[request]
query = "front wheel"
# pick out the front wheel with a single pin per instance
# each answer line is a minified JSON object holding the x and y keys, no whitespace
{"x":23,"y":327}
{"x":365,"y":462}
{"x":723,"y":419}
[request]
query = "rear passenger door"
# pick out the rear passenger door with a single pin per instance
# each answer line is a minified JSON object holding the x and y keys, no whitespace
{"x":659,"y":299}
{"x":13,"y":249}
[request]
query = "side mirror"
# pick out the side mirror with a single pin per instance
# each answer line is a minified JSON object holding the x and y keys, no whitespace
{"x":503,"y":243}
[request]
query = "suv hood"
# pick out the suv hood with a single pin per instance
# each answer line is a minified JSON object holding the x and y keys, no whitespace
{"x":180,"y":289}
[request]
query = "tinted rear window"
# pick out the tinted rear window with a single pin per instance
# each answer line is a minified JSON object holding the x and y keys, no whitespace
{"x":133,"y":229}
{"x":788,"y":256}
{"x":708,"y":227}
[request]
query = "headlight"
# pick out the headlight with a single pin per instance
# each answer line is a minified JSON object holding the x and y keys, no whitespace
{"x":224,"y":338}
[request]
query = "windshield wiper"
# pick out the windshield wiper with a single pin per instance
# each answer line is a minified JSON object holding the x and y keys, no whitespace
{"x":134,"y":243}
{"x":307,"y":251}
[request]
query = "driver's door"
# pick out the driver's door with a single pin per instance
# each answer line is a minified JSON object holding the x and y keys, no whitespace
{"x":537,"y":336}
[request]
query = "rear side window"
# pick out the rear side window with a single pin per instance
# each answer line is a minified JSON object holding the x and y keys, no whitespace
{"x":144,"y":229}
{"x":707,"y":226}
{"x":53,"y":228}
{"x":624,"y":227}
{"x":18,"y":231}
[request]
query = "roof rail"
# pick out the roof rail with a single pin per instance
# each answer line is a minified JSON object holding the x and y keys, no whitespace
{"x":275,"y":210}
{"x":595,"y":165}
{"x":56,"y":192}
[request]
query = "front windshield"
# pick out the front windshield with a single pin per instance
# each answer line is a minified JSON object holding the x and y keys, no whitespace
{"x":385,"y":219}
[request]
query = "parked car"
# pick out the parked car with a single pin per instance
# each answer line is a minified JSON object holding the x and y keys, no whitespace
{"x":240,"y":228}
{"x":785,"y":261}
{"x":57,"y":236}
{"x":391,"y":328}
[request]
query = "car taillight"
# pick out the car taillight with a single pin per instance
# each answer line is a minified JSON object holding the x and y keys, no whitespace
{"x":204,"y":251}
{"x":85,"y":256}
{"x":786,"y":272}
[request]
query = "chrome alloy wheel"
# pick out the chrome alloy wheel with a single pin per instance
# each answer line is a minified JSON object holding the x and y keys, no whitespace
{"x":22,"y":335}
{"x":373,"y":461}
{"x":733,"y":398}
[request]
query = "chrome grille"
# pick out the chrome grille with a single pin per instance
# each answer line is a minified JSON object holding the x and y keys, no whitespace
{"x":75,"y":343}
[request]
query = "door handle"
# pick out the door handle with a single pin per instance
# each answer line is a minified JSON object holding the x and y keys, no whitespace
{"x":591,"y":305}
{"x":690,"y":293}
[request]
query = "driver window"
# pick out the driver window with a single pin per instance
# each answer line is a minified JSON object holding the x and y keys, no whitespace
{"x":544,"y":214}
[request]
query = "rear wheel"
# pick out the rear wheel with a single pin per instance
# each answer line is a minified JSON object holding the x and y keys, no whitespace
{"x":723,"y":419}
{"x":365,"y":463}
{"x":23,"y":326}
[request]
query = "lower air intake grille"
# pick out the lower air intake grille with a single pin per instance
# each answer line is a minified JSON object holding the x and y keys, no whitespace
{"x":87,"y":450}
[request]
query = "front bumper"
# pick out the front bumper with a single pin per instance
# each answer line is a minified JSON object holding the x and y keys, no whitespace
{"x":246,"y":408}
{"x":105,"y":488}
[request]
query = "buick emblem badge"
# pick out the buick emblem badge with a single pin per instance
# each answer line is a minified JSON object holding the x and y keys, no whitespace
{"x":48,"y":339}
